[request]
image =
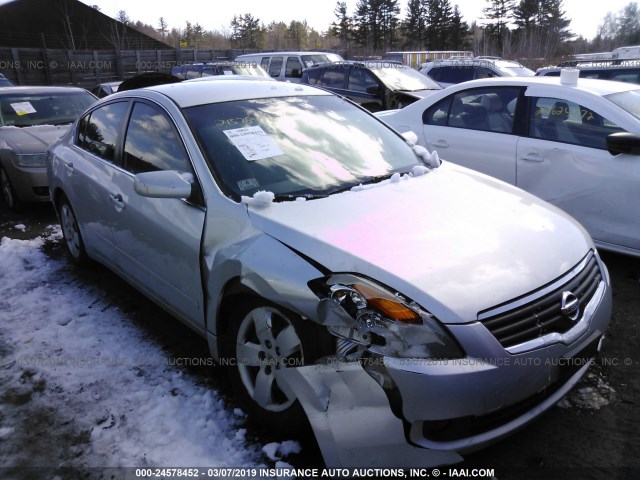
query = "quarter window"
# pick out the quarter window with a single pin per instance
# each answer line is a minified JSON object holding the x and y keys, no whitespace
{"x":152,"y":142}
{"x":98,"y":131}
{"x":560,"y":120}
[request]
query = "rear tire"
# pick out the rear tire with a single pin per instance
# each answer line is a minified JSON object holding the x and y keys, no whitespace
{"x":71,"y":233}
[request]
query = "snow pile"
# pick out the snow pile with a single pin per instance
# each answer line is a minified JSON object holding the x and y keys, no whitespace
{"x":72,"y":361}
{"x":592,"y":393}
{"x":20,"y":227}
{"x":259,"y":199}
{"x":431,"y":159}
{"x":411,"y":137}
{"x":277,"y":451}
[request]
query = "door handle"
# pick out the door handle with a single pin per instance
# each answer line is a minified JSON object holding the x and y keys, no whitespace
{"x":532,"y":157}
{"x":117,"y":200}
{"x":441,"y":143}
{"x":69,"y":167}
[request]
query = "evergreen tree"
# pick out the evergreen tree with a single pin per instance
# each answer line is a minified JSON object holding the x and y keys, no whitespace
{"x":458,"y":31}
{"x":342,"y":27}
{"x":414,"y":25}
{"x":499,"y":13}
{"x":246,"y":31}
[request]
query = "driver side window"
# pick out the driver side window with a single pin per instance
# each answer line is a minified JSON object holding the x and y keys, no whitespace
{"x":152,"y":143}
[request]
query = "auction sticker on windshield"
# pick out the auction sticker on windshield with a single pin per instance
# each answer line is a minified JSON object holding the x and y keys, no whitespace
{"x":253,"y":143}
{"x":23,"y":108}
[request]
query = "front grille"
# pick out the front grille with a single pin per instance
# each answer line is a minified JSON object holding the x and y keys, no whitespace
{"x":541,"y":315}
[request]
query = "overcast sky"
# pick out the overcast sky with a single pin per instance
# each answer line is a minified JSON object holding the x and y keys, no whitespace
{"x":586,"y":15}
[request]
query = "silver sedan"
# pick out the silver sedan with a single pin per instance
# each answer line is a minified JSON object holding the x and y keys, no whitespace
{"x":31,"y":119}
{"x":408,"y":310}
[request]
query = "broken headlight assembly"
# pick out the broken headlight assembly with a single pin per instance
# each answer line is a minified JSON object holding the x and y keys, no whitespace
{"x":370,"y":317}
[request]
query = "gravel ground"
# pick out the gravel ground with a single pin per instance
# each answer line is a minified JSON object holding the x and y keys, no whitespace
{"x":594,"y":433}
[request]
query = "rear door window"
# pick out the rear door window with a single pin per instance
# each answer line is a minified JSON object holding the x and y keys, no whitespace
{"x":333,"y":77}
{"x":276,"y":66}
{"x":98,"y":131}
{"x":293,"y":68}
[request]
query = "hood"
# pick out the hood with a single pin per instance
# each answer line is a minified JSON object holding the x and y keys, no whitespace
{"x":454,"y":240}
{"x":418,"y":94}
{"x":36,"y":139}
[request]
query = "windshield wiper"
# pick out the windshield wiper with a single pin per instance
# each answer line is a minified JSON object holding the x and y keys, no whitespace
{"x":288,"y":197}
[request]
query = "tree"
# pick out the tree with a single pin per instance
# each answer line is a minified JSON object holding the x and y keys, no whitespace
{"x":246,"y":31}
{"x":342,"y":27}
{"x":629,"y":25}
{"x":414,"y":25}
{"x":298,"y":33}
{"x":376,"y":22}
{"x":439,"y":18}
{"x":163,"y":27}
{"x":458,"y":31}
{"x":498,"y":14}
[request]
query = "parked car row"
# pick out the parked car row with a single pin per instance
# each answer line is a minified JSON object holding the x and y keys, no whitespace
{"x":336,"y":264}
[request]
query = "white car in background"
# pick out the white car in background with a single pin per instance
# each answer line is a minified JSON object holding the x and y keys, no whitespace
{"x":575,"y":144}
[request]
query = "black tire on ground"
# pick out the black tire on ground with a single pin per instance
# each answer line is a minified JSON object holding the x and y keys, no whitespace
{"x":71,"y":232}
{"x":264,"y":339}
{"x":8,"y":194}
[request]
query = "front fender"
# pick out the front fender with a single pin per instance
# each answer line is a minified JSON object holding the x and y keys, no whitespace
{"x":265,"y":266}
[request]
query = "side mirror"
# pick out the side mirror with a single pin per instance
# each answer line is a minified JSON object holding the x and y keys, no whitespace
{"x":623,"y":142}
{"x":162,"y":184}
{"x":373,"y":90}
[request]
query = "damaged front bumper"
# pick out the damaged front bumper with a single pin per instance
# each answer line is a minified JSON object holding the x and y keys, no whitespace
{"x":353,"y":422}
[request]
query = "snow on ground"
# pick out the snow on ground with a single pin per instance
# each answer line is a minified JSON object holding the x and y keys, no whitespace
{"x":72,"y":361}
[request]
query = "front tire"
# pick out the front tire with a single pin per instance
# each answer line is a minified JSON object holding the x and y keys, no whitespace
{"x":265,"y":340}
{"x":8,"y":194}
{"x":71,"y":233}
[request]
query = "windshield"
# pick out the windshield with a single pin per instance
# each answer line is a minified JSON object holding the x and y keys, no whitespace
{"x":518,"y":71}
{"x":235,"y":68}
{"x":629,"y":101}
{"x":399,"y":77}
{"x":25,"y":110}
{"x":311,"y":60}
{"x":305,"y":146}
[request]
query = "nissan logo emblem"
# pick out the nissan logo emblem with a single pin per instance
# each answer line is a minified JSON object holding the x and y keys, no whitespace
{"x":570,"y":306}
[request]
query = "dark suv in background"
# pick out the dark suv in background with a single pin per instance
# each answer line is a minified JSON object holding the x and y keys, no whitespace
{"x":376,"y":85}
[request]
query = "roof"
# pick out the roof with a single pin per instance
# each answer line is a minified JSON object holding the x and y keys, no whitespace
{"x":594,"y":86}
{"x":38,"y":90}
{"x":284,"y":53}
{"x":469,"y":61}
{"x":226,"y":89}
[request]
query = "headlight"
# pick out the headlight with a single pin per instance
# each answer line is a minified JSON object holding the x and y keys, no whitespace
{"x":385,"y":322}
{"x":32,"y":160}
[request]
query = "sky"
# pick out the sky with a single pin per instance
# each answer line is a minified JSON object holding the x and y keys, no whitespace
{"x":585,"y":15}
